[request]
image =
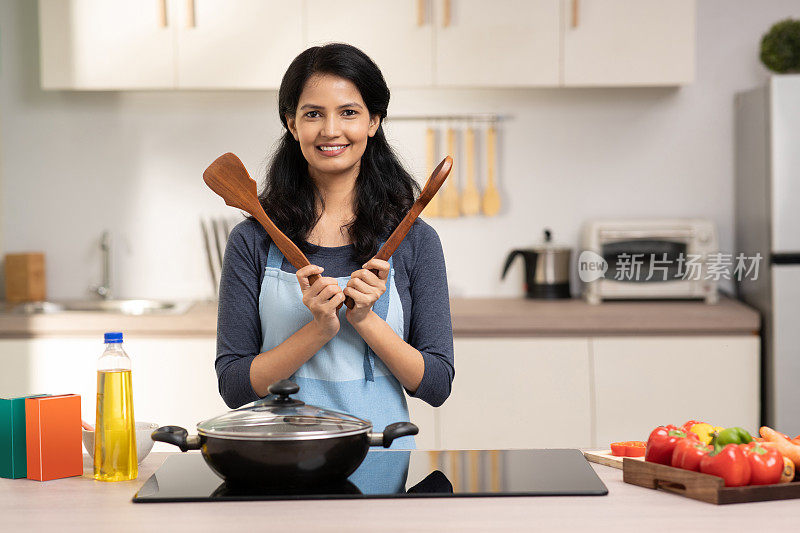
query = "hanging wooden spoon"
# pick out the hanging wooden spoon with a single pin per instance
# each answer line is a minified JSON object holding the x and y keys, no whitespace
{"x":470,"y":198}
{"x":433,"y":184}
{"x":491,"y":197}
{"x":228,"y":177}
{"x":432,"y":210}
{"x":449,"y":206}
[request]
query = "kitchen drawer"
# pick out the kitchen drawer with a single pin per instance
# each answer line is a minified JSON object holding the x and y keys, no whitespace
{"x":518,"y":393}
{"x":643,"y":382}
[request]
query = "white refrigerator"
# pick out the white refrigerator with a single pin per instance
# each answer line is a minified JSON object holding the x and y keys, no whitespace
{"x":768,"y":222}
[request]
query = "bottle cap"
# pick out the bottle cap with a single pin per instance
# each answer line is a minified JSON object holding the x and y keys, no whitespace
{"x":113,"y":337}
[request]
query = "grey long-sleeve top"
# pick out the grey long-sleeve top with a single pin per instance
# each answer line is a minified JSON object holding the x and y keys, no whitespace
{"x":420,"y":278}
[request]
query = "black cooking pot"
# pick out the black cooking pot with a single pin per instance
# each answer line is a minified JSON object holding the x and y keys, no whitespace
{"x":280,"y":441}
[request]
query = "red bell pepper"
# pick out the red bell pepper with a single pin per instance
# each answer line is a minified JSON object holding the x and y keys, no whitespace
{"x":688,"y":453}
{"x":661,"y":443}
{"x":766,"y":464}
{"x":687,"y":426}
{"x":729,"y":463}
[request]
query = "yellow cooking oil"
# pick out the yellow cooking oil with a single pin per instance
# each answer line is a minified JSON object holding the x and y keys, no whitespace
{"x":115,"y":435}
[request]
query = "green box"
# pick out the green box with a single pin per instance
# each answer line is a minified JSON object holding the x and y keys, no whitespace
{"x":13,"y":455}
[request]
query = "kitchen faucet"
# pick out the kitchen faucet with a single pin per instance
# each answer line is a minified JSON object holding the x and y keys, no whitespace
{"x":104,"y":289}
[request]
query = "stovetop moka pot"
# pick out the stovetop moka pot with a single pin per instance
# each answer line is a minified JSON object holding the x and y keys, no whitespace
{"x":546,"y":269}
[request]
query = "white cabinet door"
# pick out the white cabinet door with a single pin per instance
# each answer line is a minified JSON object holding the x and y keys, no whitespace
{"x":503,"y":43}
{"x":174,"y":382}
{"x":394,"y":33}
{"x":628,"y":42}
{"x":106,"y":44}
{"x":644,"y":382}
{"x":518,"y":393}
{"x":246,"y":44}
{"x":426,"y":418}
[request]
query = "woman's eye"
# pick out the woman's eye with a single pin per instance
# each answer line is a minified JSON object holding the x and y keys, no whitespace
{"x":350,"y":112}
{"x":310,"y":113}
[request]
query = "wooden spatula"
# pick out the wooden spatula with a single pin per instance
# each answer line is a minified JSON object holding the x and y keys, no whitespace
{"x":433,"y":184}
{"x":491,"y":197}
{"x":432,"y":210}
{"x":450,"y":204}
{"x":470,"y":198}
{"x":228,"y":177}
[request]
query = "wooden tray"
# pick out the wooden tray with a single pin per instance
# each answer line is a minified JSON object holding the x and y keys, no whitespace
{"x":703,"y":487}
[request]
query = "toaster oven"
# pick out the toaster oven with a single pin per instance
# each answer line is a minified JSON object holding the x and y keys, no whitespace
{"x":648,"y":259}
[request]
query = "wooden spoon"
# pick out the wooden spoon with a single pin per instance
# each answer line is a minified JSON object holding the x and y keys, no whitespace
{"x":432,"y":210}
{"x":470,"y":198}
{"x":228,"y":177}
{"x":491,"y":197}
{"x":433,"y":184}
{"x":449,"y":206}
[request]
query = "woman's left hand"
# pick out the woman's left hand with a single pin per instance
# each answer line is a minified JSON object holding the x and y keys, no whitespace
{"x":365,"y":288}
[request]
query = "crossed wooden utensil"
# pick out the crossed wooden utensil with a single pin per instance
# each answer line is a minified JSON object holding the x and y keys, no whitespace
{"x":228,"y":177}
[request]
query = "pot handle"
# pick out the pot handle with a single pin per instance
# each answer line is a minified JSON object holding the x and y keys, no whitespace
{"x":176,"y":436}
{"x":391,"y":432}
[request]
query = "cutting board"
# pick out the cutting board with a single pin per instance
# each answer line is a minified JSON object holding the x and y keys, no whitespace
{"x":604,"y":457}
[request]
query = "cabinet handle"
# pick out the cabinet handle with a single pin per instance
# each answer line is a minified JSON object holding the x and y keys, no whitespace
{"x":421,"y":12}
{"x":446,"y":14}
{"x":576,"y":8}
{"x":190,"y":14}
{"x":162,"y":13}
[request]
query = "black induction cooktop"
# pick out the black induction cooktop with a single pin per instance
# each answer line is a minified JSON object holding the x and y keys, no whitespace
{"x":398,"y":474}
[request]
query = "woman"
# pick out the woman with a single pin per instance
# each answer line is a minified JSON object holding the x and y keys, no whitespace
{"x":336,"y":189}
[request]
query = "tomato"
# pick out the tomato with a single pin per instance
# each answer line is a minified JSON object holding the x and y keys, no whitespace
{"x":630,"y":448}
{"x":635,"y":448}
{"x":618,"y":449}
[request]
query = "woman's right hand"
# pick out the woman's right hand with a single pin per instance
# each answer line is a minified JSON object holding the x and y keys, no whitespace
{"x":322,"y":299}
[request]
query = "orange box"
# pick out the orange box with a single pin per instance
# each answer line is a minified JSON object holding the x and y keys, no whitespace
{"x":53,"y":436}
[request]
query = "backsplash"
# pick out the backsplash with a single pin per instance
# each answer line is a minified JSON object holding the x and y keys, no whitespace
{"x":77,"y":163}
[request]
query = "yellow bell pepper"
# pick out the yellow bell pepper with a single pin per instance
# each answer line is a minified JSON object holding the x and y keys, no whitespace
{"x":705,"y":431}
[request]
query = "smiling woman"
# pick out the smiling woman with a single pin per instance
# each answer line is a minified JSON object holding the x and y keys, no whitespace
{"x":335,"y":187}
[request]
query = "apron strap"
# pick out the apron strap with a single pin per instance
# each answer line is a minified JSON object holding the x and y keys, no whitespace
{"x":274,"y":257}
{"x":381,"y":308}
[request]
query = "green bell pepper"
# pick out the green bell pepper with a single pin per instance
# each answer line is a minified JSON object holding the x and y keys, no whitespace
{"x":734,"y":435}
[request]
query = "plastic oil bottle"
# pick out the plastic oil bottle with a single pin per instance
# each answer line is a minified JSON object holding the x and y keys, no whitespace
{"x":115,"y":435}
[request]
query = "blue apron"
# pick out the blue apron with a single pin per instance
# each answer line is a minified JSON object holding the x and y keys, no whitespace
{"x":345,"y":374}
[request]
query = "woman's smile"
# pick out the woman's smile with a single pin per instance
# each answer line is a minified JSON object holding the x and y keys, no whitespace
{"x":332,"y":150}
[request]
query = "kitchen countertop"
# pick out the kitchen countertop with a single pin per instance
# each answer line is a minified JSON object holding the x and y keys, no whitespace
{"x":82,"y":504}
{"x":498,"y":317}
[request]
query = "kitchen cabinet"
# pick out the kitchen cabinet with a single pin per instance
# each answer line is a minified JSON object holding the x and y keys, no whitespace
{"x":519,"y":393}
{"x":504,"y":43}
{"x":397,"y":35}
{"x":174,"y":382}
{"x":246,"y":44}
{"x":628,"y":42}
{"x":106,"y":44}
{"x":642,"y":382}
{"x":167,"y":44}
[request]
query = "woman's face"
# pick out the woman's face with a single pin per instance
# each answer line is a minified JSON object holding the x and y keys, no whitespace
{"x":332,"y":124}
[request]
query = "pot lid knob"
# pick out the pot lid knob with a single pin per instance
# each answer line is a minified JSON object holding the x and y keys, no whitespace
{"x":283,"y":387}
{"x":281,"y":390}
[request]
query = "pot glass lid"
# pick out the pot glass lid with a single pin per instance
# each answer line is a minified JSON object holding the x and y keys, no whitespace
{"x":279,"y":417}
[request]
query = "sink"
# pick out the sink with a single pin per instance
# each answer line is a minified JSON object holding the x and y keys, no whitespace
{"x":124,"y":307}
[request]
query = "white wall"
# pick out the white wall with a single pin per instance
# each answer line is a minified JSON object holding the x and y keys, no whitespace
{"x":75,"y":163}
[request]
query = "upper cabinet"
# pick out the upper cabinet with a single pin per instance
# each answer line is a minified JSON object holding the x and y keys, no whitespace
{"x":106,"y":44}
{"x":503,"y":43}
{"x":628,"y":42}
{"x":248,"y":44}
{"x":396,"y":34}
{"x":240,"y":44}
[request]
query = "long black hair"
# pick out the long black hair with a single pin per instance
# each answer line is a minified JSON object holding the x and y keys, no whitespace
{"x":384,"y":190}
